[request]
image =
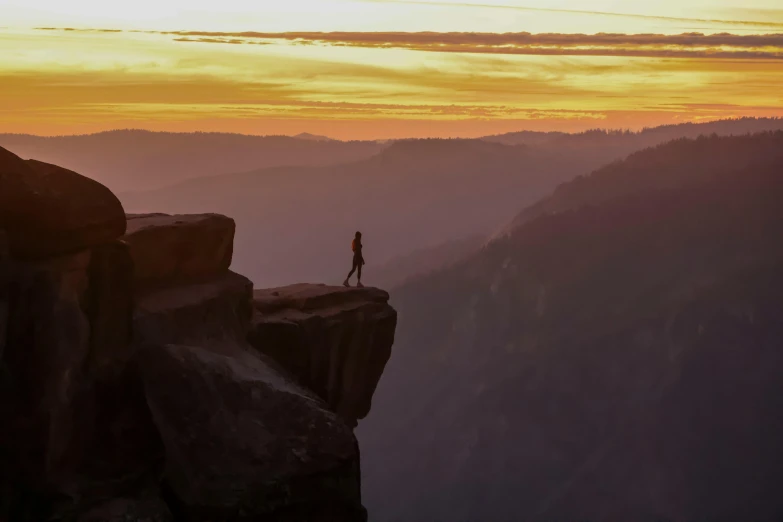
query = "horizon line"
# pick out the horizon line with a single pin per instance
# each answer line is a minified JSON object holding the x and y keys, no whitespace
{"x":329,"y":138}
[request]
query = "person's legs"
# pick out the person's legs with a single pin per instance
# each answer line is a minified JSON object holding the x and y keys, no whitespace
{"x":353,"y":269}
{"x":359,"y":279}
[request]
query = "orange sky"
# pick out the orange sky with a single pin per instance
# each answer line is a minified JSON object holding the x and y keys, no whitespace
{"x":361,"y":69}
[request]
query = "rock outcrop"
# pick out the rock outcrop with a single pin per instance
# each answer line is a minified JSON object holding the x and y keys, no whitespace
{"x":47,"y":210}
{"x":76,"y":425}
{"x":128,"y":389}
{"x":170,"y":249}
{"x":211,"y":311}
{"x":244,"y":443}
{"x":333,"y":340}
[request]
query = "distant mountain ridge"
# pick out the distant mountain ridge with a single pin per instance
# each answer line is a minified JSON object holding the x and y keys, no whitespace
{"x":412,"y":195}
{"x":313,"y":137}
{"x":619,"y":358}
{"x":137,"y":160}
{"x":422,"y":261}
{"x":670,"y":165}
{"x":640,"y":139}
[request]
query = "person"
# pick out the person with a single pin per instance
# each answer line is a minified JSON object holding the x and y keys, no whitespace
{"x":358,"y":260}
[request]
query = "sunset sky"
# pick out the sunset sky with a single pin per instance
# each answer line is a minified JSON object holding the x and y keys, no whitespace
{"x":366,"y":69}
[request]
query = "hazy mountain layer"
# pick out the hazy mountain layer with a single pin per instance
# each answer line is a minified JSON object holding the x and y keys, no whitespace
{"x":675,"y":164}
{"x":414,"y":195}
{"x":621,"y":360}
{"x":140,"y":160}
{"x":296,"y":223}
{"x":425,"y":260}
{"x":639,"y":139}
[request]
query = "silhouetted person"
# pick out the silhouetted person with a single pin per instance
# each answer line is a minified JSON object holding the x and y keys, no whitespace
{"x":358,"y":260}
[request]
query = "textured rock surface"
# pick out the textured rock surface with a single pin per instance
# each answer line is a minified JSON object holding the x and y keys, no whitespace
{"x":170,"y":249}
{"x":110,"y":307}
{"x":76,"y":426}
{"x":146,"y":508}
{"x":128,"y":391}
{"x":333,"y":340}
{"x":205,"y":312}
{"x":5,"y":279}
{"x":47,"y":210}
{"x":244,"y":444}
{"x":243,"y":441}
{"x":47,"y":346}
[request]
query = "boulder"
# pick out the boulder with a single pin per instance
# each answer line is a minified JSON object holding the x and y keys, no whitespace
{"x":333,"y":340}
{"x":202,"y":313}
{"x":243,"y":443}
{"x":174,"y":249}
{"x":47,"y":210}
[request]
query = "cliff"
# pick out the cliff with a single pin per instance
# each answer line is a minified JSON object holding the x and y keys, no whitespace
{"x":333,"y":340}
{"x":128,"y":388}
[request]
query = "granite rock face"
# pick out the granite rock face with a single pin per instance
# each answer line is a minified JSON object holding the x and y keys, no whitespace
{"x":76,"y":425}
{"x":217,"y":310}
{"x":5,"y":278}
{"x":242,"y":440}
{"x":244,"y":443}
{"x":47,"y":210}
{"x":110,"y":306}
{"x":128,"y":390}
{"x":333,"y":340}
{"x":143,"y":508}
{"x":172,"y":249}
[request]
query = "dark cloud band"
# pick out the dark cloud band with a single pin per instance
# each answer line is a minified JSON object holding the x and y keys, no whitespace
{"x":686,"y":45}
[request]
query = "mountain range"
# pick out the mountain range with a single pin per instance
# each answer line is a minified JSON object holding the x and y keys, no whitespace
{"x":139,"y":160}
{"x":615,"y":354}
{"x":296,"y":223}
{"x":411,"y":196}
{"x":589,"y":324}
{"x":126,"y":160}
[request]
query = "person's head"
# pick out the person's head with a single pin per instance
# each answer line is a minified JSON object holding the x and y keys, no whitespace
{"x":358,"y":235}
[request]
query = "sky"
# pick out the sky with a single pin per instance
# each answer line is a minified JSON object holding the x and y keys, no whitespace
{"x":374,"y":69}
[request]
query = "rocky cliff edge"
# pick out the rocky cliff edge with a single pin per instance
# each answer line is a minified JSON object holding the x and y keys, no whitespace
{"x":141,"y":379}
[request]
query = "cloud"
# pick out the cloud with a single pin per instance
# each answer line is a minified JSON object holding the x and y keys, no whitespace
{"x":694,"y":45}
{"x":477,"y":79}
{"x":686,"y":45}
{"x":215,"y":40}
{"x":127,"y":92}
